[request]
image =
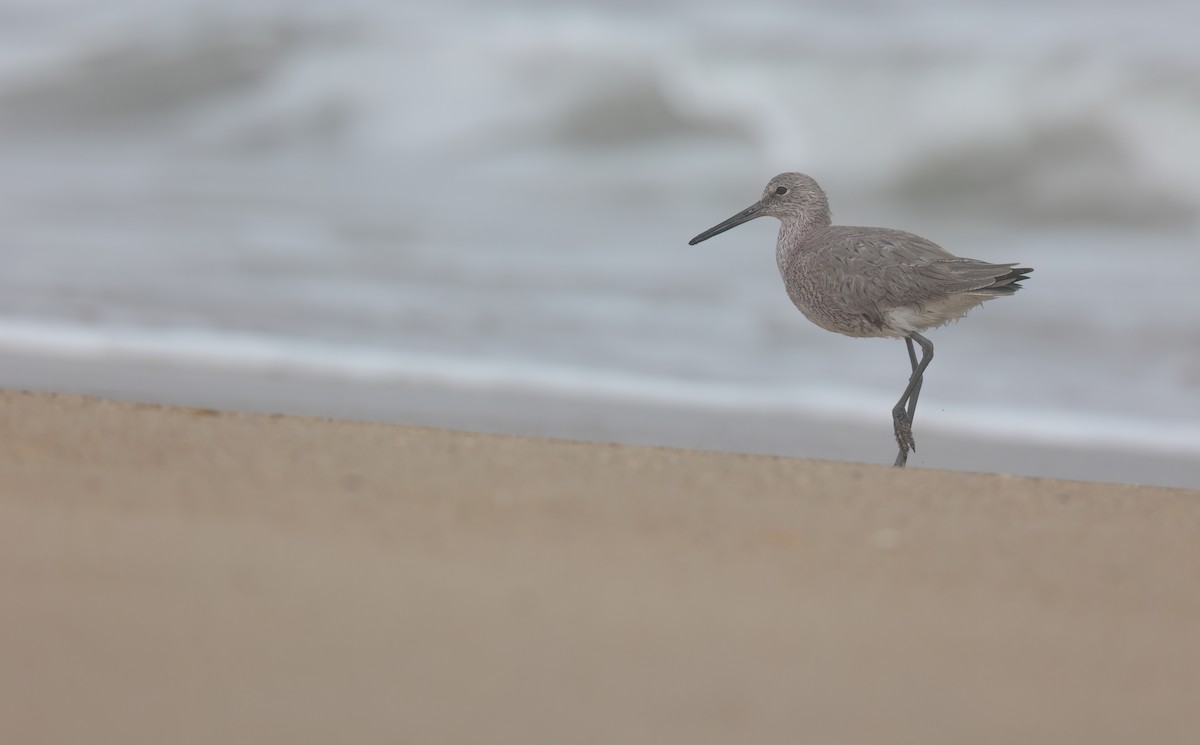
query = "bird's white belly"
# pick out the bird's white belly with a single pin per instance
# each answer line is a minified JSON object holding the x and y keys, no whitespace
{"x":909,"y":318}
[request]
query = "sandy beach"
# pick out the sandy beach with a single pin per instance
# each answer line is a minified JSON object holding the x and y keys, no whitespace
{"x":189,"y":575}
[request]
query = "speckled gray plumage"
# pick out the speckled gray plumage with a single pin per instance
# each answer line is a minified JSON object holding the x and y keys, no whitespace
{"x":852,"y":280}
{"x":871,"y":282}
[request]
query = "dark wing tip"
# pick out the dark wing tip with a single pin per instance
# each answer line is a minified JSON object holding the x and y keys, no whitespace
{"x":1010,"y":281}
{"x":1012,"y":276}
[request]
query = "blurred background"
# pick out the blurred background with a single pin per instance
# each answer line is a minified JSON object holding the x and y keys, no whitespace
{"x":475,"y":214}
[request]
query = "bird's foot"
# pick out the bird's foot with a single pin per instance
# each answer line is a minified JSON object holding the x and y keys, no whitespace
{"x":904,"y":437}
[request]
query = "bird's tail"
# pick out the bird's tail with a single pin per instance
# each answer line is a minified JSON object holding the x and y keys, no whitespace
{"x":1008,"y":282}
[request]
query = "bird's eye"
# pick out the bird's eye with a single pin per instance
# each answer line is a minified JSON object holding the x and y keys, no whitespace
{"x":781,"y":190}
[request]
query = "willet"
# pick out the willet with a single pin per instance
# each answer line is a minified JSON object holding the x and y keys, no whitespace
{"x":871,"y":282}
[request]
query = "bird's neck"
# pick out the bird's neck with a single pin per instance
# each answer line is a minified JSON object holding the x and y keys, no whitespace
{"x":793,"y":234}
{"x":795,"y":228}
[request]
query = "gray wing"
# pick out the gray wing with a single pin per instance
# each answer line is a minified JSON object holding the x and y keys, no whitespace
{"x":878,"y":268}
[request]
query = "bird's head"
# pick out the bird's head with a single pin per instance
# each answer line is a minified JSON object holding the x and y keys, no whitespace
{"x":792,"y":197}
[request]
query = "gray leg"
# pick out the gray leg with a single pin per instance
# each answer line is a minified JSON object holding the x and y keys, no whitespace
{"x":902,"y":419}
{"x":912,"y":401}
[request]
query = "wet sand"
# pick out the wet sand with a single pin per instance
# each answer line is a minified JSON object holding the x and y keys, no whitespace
{"x":189,"y":575}
{"x":541,"y":413}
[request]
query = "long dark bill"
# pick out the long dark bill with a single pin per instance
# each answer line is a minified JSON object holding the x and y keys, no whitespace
{"x":746,"y":215}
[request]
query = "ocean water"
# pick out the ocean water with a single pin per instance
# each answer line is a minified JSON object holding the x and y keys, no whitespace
{"x":500,"y":196}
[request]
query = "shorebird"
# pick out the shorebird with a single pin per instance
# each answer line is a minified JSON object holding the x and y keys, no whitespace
{"x":871,"y":282}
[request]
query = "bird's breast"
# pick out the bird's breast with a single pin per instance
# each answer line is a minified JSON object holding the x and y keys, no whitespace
{"x":831,"y":298}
